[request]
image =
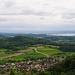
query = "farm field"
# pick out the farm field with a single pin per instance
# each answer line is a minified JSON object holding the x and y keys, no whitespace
{"x":26,"y":56}
{"x":22,"y":57}
{"x":2,"y":53}
{"x":29,"y":53}
{"x":54,"y":52}
{"x":49,"y":51}
{"x":3,"y":50}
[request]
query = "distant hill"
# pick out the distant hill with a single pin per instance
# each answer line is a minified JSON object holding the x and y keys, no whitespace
{"x":39,"y":34}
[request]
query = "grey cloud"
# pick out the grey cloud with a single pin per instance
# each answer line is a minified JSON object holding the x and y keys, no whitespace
{"x":69,"y":14}
{"x":2,"y":19}
{"x":60,"y":8}
{"x":18,"y":10}
{"x":9,"y":13}
{"x":42,"y":18}
{"x":27,"y":12}
{"x":31,"y":11}
{"x":9,"y":3}
{"x":46,"y":4}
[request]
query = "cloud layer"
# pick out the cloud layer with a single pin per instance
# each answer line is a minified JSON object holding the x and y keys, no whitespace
{"x":36,"y":15}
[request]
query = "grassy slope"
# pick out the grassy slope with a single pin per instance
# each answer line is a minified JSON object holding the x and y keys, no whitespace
{"x":25,"y":56}
{"x":54,"y":52}
{"x":46,"y":50}
{"x":49,"y":51}
{"x":2,"y":53}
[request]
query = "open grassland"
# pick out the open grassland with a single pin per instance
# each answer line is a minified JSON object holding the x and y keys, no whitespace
{"x":3,"y":50}
{"x":2,"y":53}
{"x":64,"y":54}
{"x":31,"y":53}
{"x":26,"y":56}
{"x":21,"y":55}
{"x":49,"y":51}
{"x":11,"y":55}
{"x":54,"y":52}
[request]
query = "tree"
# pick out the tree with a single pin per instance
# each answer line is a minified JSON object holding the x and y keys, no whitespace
{"x":13,"y":71}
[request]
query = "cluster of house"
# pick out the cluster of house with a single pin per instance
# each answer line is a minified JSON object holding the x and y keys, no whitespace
{"x":30,"y":65}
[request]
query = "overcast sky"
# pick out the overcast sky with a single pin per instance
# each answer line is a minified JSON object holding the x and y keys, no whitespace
{"x":22,"y":16}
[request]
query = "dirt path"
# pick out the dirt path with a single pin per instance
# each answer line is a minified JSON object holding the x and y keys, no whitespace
{"x":41,"y":53}
{"x":25,"y":51}
{"x":20,"y":52}
{"x":11,"y":55}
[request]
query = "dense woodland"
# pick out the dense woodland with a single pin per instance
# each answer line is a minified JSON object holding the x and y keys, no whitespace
{"x":67,"y":67}
{"x":22,"y":42}
{"x":56,"y":38}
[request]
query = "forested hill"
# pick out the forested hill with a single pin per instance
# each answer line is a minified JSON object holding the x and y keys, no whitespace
{"x":56,"y":38}
{"x":44,"y":36}
{"x":67,"y":67}
{"x":20,"y":42}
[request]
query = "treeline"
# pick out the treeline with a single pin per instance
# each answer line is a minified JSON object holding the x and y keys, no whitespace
{"x":20,"y":42}
{"x":56,"y":38}
{"x":67,"y":48}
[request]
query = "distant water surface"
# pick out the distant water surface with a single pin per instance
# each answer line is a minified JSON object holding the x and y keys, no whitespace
{"x":63,"y":34}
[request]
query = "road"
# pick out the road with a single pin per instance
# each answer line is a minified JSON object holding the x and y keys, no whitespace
{"x":41,"y":53}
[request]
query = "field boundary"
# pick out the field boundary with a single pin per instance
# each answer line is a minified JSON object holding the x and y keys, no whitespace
{"x":41,"y":53}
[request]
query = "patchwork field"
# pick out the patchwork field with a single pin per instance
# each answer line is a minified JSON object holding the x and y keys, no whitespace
{"x":40,"y":52}
{"x":22,"y":57}
{"x":49,"y":51}
{"x":26,"y":56}
{"x":54,"y":52}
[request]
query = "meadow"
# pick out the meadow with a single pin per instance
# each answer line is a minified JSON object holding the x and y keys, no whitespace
{"x":53,"y":52}
{"x":26,"y":56}
{"x":2,"y":53}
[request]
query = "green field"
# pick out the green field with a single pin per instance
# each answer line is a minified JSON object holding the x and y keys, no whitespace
{"x":26,"y":56}
{"x":3,"y":50}
{"x":23,"y":57}
{"x":2,"y":53}
{"x":46,"y":50}
{"x":54,"y":52}
{"x":49,"y":51}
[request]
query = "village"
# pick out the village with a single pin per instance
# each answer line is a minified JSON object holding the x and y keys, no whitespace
{"x":30,"y":65}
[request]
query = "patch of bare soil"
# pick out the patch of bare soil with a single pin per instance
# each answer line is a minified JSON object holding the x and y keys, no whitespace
{"x":11,"y":55}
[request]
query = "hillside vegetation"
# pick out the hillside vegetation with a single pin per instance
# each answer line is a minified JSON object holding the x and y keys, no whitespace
{"x":66,"y":67}
{"x":21,"y":48}
{"x":22,"y":42}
